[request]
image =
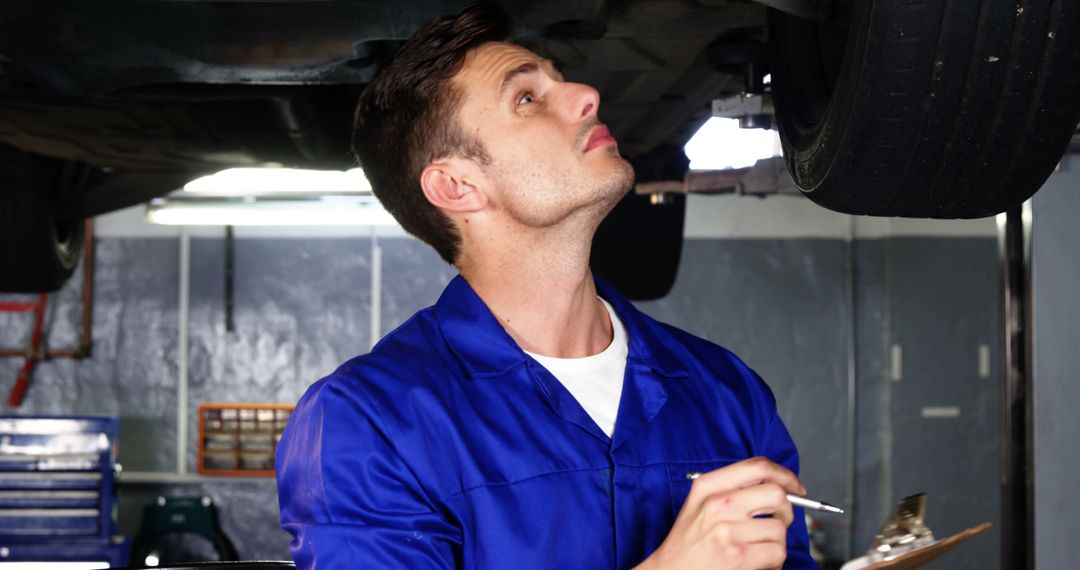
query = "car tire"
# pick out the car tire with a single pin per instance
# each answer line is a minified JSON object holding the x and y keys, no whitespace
{"x":638,"y":247}
{"x":934,"y":109}
{"x":41,"y":239}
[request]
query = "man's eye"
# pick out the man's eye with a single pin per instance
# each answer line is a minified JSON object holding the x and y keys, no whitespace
{"x":526,"y":98}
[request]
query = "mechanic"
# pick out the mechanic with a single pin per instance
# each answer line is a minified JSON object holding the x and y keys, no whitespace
{"x":532,"y":418}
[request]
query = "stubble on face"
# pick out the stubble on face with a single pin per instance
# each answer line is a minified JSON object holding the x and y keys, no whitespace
{"x":541,"y":194}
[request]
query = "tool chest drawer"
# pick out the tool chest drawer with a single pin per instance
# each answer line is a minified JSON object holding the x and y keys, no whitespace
{"x":56,"y":478}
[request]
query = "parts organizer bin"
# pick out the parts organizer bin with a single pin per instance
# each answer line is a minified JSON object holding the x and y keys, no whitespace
{"x":57,"y":495}
{"x":240,"y":439}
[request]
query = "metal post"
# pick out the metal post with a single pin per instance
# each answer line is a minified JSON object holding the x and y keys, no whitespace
{"x":230,"y":263}
{"x":182,"y":352}
{"x":1017,"y":472}
{"x":852,"y":387}
{"x":86,"y":335}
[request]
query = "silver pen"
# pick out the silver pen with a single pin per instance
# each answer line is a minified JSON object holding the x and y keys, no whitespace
{"x":797,"y":500}
{"x":800,"y":501}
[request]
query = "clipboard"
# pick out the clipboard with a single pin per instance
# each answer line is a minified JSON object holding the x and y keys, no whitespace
{"x":922,"y":556}
{"x":905,"y":543}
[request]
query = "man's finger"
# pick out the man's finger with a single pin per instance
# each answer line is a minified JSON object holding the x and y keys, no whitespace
{"x":765,"y":555}
{"x":746,"y":473}
{"x":760,"y":530}
{"x":764,"y":499}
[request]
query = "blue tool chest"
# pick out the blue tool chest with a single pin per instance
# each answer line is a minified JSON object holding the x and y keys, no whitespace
{"x":57,"y":493}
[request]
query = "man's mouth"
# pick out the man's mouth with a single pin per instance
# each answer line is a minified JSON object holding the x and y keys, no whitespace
{"x":599,"y":137}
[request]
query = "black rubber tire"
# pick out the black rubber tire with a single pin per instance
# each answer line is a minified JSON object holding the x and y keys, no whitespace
{"x":932,"y":108}
{"x":637,"y":248}
{"x":41,"y":239}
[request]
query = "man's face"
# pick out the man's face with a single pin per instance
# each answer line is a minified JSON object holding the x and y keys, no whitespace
{"x":550,"y":155}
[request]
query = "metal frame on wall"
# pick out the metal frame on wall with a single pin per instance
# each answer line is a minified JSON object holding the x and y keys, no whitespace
{"x":1017,"y":468}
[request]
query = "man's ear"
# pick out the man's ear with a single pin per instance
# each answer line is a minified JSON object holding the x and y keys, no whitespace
{"x":450,"y":184}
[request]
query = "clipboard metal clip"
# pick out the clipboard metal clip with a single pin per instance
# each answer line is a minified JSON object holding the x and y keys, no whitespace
{"x":904,"y":531}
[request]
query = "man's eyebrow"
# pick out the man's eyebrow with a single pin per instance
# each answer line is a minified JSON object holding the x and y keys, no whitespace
{"x":508,"y":77}
{"x":525,"y":68}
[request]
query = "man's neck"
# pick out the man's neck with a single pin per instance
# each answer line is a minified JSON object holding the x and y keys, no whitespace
{"x":544,"y":296}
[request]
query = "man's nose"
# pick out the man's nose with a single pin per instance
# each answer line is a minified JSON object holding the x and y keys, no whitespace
{"x":583,"y":101}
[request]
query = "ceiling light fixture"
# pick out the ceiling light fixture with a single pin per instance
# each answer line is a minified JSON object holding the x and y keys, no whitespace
{"x":247,"y":181}
{"x":272,"y":197}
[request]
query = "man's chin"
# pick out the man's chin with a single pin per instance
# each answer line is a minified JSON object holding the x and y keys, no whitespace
{"x":620,"y":180}
{"x":613,"y":189}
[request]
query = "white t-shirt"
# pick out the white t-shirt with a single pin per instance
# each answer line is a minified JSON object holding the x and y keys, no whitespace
{"x":595,"y":381}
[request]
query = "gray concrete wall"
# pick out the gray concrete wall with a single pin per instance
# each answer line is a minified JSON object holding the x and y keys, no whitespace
{"x":132,"y":373}
{"x":941,"y":306}
{"x":1056,"y":319}
{"x":781,"y":305}
{"x":303,"y":305}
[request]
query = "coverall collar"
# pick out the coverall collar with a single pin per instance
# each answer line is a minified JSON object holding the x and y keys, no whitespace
{"x":485,"y":349}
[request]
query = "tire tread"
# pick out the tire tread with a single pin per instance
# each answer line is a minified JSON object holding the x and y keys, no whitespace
{"x":951,"y":109}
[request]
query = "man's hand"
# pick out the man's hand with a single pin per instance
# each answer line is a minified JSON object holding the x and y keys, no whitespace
{"x":716,"y":527}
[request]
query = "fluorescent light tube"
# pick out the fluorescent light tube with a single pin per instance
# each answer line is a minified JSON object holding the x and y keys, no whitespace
{"x":262,"y":181}
{"x":357,"y":211}
{"x":272,"y":197}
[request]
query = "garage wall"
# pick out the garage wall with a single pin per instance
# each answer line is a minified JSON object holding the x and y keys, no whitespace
{"x":1055,"y":280}
{"x":926,"y":423}
{"x":941,"y":306}
{"x":132,"y":372}
{"x":775,"y":288}
{"x":782,"y":306}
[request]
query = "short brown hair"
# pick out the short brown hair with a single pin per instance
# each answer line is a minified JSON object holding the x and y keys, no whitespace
{"x":407,"y":117}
